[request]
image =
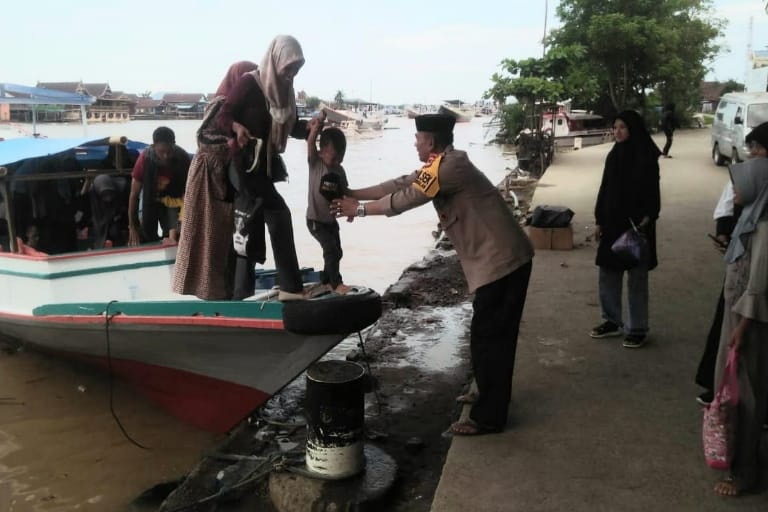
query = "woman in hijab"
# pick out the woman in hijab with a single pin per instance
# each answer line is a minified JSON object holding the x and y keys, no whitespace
{"x":259,"y":114}
{"x":745,"y":321}
{"x":109,"y":212}
{"x":726,"y":215}
{"x":629,"y":194}
{"x":205,"y":260}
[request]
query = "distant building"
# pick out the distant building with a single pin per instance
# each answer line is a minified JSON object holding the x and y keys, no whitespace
{"x":185,"y":106}
{"x":5,"y":112}
{"x":710,"y":96}
{"x":148,"y":108}
{"x":110,"y":106}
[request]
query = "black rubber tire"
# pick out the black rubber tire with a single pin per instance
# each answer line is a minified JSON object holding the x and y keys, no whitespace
{"x":717,"y":157}
{"x":332,"y":313}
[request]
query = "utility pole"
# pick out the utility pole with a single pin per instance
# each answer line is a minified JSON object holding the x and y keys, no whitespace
{"x":544,"y":37}
{"x":749,"y":54}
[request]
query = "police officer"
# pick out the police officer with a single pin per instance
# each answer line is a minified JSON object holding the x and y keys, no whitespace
{"x":495,"y":254}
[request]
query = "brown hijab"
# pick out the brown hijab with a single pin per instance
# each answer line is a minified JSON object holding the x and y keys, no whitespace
{"x":234,"y":73}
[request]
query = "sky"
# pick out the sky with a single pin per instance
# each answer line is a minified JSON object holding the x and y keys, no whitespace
{"x":393,"y":52}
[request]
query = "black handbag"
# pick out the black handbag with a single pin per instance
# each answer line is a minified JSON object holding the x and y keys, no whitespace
{"x":631,"y":247}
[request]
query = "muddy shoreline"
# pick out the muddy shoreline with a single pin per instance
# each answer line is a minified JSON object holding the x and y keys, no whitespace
{"x":406,"y":416}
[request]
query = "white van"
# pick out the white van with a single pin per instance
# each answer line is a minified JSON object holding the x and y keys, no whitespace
{"x":736,"y":115}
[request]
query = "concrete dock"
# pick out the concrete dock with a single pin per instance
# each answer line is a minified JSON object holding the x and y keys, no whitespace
{"x":594,"y":426}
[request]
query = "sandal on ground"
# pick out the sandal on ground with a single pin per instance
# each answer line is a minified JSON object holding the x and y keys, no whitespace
{"x":471,"y":428}
{"x":467,"y":398}
{"x":728,"y":487}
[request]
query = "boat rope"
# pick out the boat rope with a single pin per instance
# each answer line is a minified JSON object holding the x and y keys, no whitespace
{"x":370,"y":373}
{"x":107,"y":321}
{"x":274,"y":462}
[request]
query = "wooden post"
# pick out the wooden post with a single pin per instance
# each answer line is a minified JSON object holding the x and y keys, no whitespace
{"x":5,"y":192}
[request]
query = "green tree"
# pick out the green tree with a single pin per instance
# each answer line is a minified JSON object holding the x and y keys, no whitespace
{"x":537,"y":84}
{"x":633,"y":46}
{"x":339,"y":98}
{"x":732,"y":86}
{"x":312,"y":102}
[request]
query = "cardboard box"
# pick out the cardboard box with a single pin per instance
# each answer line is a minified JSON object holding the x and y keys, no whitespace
{"x":556,"y":239}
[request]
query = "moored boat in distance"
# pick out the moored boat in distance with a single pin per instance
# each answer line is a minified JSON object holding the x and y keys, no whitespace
{"x":575,"y":128}
{"x":355,"y":124}
{"x":456,"y":109}
{"x":211,"y":363}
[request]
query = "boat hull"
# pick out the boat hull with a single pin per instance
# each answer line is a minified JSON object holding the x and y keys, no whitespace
{"x":211,"y":372}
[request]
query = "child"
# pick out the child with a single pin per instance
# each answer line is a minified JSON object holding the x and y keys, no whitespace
{"x":327,"y":181}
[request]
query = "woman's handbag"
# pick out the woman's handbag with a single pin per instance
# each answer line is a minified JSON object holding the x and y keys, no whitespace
{"x":631,"y":247}
{"x":719,"y":426}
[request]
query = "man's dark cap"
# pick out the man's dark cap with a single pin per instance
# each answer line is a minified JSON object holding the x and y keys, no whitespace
{"x":435,"y":123}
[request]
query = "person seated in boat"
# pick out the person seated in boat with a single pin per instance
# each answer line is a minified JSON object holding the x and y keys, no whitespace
{"x":30,"y":244}
{"x":159,"y":178}
{"x":109,"y":211}
{"x":495,"y":254}
{"x":327,"y":181}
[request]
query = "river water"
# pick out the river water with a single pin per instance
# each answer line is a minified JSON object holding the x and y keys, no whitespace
{"x":61,"y":448}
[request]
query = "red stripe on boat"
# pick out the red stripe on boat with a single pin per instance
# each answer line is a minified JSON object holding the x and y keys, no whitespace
{"x":219,"y":321}
{"x":210,"y":404}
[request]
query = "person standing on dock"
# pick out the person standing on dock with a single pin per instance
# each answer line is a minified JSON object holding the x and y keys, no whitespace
{"x":669,"y":124}
{"x":495,"y":254}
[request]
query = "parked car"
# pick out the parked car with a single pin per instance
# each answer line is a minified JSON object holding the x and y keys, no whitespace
{"x":736,"y":115}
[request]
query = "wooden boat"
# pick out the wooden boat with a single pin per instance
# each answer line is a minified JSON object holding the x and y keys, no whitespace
{"x":455,"y":108}
{"x":211,"y":363}
{"x":575,"y":128}
{"x":355,"y":124}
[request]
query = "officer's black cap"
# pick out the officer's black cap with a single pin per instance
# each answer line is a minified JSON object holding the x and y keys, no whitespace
{"x":435,"y":123}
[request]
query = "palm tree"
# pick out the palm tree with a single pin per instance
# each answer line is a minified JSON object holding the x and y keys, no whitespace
{"x":339,"y":99}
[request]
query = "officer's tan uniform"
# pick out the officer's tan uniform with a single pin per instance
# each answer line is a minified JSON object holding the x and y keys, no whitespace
{"x":496,"y":257}
{"x":489,"y":241}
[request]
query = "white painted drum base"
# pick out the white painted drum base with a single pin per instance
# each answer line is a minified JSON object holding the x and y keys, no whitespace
{"x":336,"y":462}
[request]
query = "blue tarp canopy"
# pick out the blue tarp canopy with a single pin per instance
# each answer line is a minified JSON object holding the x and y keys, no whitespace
{"x":13,"y":151}
{"x":13,"y":93}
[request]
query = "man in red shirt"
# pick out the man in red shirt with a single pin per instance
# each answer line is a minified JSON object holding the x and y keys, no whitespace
{"x":160,"y":176}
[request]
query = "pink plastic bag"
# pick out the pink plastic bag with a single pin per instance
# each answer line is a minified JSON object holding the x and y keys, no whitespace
{"x":719,"y":425}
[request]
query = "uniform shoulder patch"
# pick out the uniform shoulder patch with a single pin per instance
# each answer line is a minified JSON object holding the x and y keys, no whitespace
{"x":427,"y":181}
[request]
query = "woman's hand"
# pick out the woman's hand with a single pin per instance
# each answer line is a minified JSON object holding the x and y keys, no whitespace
{"x":242,"y":134}
{"x":344,"y":207}
{"x":737,"y":336}
{"x":598,"y":233}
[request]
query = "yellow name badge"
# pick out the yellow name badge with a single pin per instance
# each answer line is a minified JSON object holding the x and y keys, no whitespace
{"x":427,"y":181}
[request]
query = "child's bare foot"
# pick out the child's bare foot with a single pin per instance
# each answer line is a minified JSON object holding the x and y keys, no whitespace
{"x":727,"y":487}
{"x":342,"y":289}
